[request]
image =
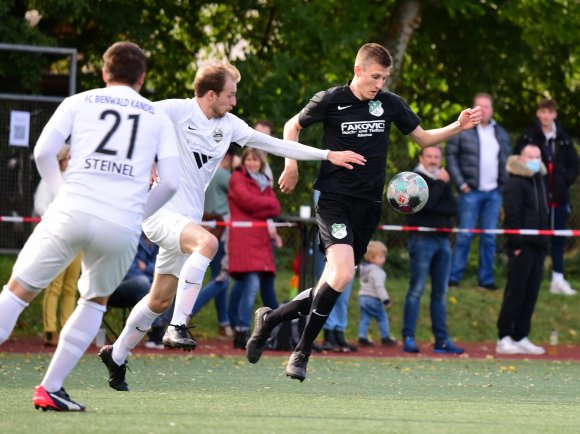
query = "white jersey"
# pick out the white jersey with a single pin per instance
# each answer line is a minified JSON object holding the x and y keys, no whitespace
{"x":203,"y":143}
{"x":115,"y":136}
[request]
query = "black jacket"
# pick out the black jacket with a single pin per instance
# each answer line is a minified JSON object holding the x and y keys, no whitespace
{"x":561,"y":152}
{"x":525,"y":205}
{"x":440,"y":208}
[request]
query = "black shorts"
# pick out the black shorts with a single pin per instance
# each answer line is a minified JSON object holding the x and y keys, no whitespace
{"x":347,"y":220}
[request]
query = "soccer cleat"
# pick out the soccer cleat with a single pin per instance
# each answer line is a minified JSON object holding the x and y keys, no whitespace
{"x":447,"y":347}
{"x":296,"y":368}
{"x":259,"y":339}
{"x":54,"y":401}
{"x":116,"y":372}
{"x":178,"y":336}
{"x":409,"y":345}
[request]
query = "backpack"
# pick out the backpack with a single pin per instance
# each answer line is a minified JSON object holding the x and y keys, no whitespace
{"x":286,"y":335}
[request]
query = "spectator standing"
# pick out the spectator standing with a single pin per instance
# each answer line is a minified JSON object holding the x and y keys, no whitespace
{"x":373,"y":297}
{"x":476,"y":163}
{"x":61,"y":295}
{"x":430,"y":254}
{"x":561,"y":160}
{"x":251,"y":261}
{"x":525,"y":207}
{"x":136,"y":285}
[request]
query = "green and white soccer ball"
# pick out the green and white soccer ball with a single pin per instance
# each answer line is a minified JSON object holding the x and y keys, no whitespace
{"x":407,"y":192}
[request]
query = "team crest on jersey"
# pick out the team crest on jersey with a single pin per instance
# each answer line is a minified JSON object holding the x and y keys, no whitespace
{"x":338,"y":230}
{"x":218,"y":135}
{"x":376,"y":108}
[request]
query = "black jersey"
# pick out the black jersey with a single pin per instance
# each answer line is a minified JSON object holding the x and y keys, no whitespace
{"x":363,"y":127}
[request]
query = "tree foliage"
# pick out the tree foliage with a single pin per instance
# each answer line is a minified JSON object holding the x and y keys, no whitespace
{"x":287,"y":50}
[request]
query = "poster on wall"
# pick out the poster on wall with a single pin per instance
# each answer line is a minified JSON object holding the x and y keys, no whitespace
{"x":19,"y":128}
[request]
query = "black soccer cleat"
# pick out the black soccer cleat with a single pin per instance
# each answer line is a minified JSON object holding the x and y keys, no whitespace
{"x":296,"y":368}
{"x":259,"y":339}
{"x":116,"y":372}
{"x":54,"y":401}
{"x":179,"y":337}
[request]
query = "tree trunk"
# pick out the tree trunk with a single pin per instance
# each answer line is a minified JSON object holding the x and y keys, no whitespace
{"x":404,"y":19}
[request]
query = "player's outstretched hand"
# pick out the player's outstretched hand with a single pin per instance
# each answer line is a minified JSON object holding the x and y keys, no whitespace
{"x":470,"y":118}
{"x":343,"y":158}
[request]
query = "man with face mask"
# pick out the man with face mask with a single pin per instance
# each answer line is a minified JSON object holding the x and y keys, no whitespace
{"x":525,"y":206}
{"x":430,"y":254}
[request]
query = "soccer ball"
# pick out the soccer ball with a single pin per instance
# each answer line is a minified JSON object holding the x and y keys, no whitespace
{"x":407,"y":192}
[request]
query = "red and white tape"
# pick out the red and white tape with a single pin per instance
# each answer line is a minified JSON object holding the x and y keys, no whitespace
{"x":396,"y":228}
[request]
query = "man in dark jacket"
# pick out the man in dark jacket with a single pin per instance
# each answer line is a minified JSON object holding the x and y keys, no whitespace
{"x":476,"y":163}
{"x":525,"y":206}
{"x":430,"y":255}
{"x":560,"y":158}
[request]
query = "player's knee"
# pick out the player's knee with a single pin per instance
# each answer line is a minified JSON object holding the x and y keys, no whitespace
{"x":342,"y":278}
{"x":208,"y":245}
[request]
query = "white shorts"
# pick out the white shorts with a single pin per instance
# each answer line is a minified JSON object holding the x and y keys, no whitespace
{"x":164,"y":229}
{"x":108,"y":251}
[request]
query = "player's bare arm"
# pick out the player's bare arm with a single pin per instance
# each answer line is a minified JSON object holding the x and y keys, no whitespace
{"x":289,"y":177}
{"x":468,"y":118}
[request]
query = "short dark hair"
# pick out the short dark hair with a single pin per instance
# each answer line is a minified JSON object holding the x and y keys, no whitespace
{"x":125,"y":62}
{"x":548,"y":103}
{"x":213,"y":77}
{"x":373,"y":53}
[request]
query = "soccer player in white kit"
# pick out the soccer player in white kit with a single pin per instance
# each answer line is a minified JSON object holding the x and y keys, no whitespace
{"x":101,"y":199}
{"x":205,"y":129}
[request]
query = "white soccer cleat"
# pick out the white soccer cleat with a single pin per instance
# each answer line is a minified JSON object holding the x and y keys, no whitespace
{"x":527,"y":347}
{"x":506,"y":345}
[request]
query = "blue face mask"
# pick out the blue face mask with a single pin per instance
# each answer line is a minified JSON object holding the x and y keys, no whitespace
{"x":534,"y":165}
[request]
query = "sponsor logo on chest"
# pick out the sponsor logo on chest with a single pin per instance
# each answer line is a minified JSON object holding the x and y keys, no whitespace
{"x":362,"y":128}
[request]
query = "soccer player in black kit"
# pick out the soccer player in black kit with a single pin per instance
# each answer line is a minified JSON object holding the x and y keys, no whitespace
{"x":355,"y":117}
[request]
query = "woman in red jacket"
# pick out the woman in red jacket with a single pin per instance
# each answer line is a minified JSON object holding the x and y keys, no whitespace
{"x":251,"y":262}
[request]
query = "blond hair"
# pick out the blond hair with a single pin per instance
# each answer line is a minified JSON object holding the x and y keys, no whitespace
{"x":213,"y":77}
{"x":374,"y":249}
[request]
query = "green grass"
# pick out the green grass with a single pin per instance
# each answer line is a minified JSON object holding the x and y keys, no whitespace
{"x":343,"y":395}
{"x":471,"y":314}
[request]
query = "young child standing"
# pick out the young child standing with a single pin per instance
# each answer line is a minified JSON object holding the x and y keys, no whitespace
{"x":373,"y":297}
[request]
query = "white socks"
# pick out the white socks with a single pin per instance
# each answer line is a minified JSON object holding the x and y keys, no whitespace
{"x":138,"y":324}
{"x":11,"y":306}
{"x":190,"y":280}
{"x":76,"y":336}
{"x":557,"y":277}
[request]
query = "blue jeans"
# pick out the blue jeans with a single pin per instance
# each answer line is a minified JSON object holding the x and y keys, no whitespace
{"x":218,"y":291}
{"x":483,"y":207}
{"x":560,"y":216}
{"x":243,"y":297}
{"x":338,"y":318}
{"x":372,"y":307}
{"x":429,"y":255}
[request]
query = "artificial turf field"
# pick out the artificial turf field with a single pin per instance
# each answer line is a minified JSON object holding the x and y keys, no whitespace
{"x":205,"y":394}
